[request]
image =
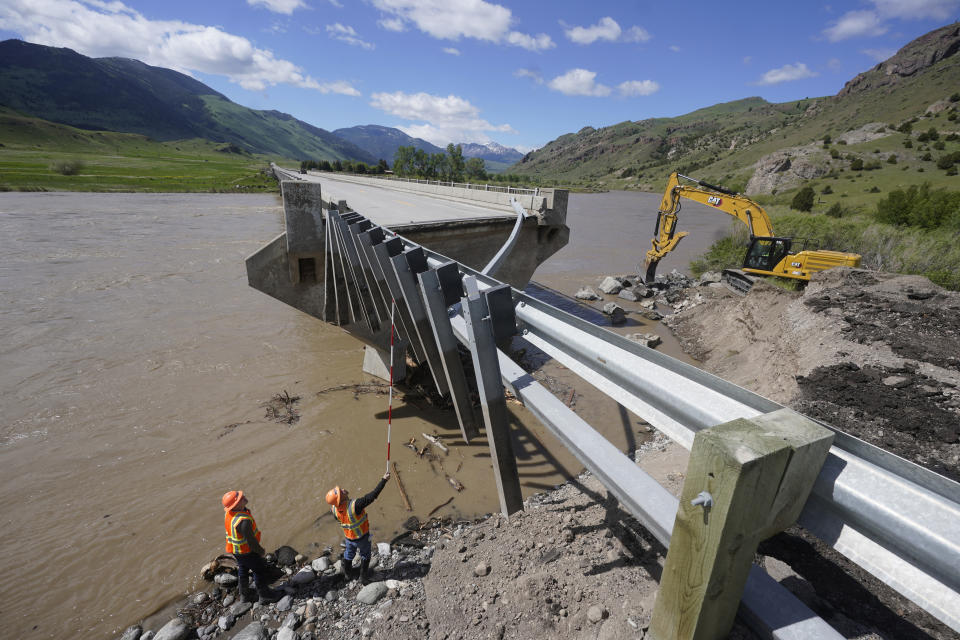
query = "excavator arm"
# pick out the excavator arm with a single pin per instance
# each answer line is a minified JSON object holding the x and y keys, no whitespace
{"x":665,"y":235}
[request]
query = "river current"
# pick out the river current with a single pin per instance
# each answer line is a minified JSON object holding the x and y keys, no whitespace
{"x":135,"y":364}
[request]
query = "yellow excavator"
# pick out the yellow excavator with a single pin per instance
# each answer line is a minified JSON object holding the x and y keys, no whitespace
{"x":767,"y":255}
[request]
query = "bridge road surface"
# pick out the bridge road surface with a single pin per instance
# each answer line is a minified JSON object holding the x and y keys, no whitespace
{"x":387,"y":207}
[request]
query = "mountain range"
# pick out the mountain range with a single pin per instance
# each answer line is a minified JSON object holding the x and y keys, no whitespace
{"x":124,"y":95}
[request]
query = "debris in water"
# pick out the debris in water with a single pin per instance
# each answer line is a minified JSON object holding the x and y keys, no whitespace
{"x":440,"y":506}
{"x":403,"y":493}
{"x":280,"y":408}
{"x":436,"y":441}
{"x":455,"y":483}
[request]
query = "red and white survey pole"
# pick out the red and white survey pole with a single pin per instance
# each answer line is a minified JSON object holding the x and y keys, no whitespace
{"x":393,"y":306}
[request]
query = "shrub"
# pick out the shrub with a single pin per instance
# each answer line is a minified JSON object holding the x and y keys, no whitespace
{"x":841,"y":142}
{"x":837,"y":210}
{"x":872,"y":166}
{"x":939,"y":146}
{"x":826,"y":140}
{"x":945,"y":162}
{"x":908,"y":144}
{"x":826,"y":190}
{"x":803,"y":200}
{"x":856,"y":164}
{"x":67,"y":167}
{"x":955,"y":97}
{"x":919,"y":207}
{"x":952,"y":137}
{"x":952,"y":117}
{"x":952,"y":171}
{"x":892,"y":159}
{"x":906,"y":127}
{"x":874,"y":189}
{"x":927,"y":157}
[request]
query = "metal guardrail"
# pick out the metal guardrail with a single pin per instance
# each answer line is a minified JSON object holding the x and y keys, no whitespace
{"x":895,"y":519}
{"x":438,"y":183}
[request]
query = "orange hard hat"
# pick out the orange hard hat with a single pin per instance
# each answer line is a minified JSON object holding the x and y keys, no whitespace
{"x":231,"y":499}
{"x":333,"y":496}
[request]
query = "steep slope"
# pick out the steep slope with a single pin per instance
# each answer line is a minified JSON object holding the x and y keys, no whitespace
{"x":383,"y":142}
{"x":732,"y":142}
{"x":119,"y":94}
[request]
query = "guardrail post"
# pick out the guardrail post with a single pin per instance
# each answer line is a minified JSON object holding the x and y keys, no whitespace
{"x":746,"y":480}
{"x":486,"y":365}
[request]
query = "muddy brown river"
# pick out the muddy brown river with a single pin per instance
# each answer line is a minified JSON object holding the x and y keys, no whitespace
{"x":135,"y":363}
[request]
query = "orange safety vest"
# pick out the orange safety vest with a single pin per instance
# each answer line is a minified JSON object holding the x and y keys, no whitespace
{"x":236,"y":543}
{"x":354,"y":526}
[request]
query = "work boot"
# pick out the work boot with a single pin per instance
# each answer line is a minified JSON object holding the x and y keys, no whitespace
{"x":348,"y":572}
{"x":247,"y":594}
{"x":365,"y":570}
{"x":268,"y":595}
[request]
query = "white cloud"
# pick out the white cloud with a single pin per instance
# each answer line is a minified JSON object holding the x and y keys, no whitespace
{"x":336,"y":3}
{"x":347,"y":34}
{"x":747,"y":59}
{"x":871,"y":22}
{"x":854,"y":24}
{"x":674,"y":48}
{"x":787,"y":73}
{"x":285,"y":7}
{"x":638,"y":88}
{"x":579,"y":82}
{"x":606,"y":29}
{"x":637,"y":34}
{"x":452,"y":51}
{"x":529,"y":73}
{"x":455,"y":19}
{"x":102,"y":29}
{"x":443,"y":119}
{"x":879,"y":54}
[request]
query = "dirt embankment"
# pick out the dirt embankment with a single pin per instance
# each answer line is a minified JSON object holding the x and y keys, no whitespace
{"x":875,"y":355}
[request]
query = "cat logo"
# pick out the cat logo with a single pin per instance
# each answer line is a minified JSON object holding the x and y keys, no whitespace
{"x":715,"y":201}
{"x":795,"y":264}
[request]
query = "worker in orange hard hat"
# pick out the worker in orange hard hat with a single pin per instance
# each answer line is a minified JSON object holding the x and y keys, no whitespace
{"x":353,"y":520}
{"x":243,"y":541}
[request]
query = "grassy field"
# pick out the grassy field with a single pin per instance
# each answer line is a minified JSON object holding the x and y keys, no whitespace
{"x":36,"y":155}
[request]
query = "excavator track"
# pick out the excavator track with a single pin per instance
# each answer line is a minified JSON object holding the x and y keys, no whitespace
{"x":738,"y":281}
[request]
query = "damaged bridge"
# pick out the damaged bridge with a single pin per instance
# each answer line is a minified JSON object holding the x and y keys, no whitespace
{"x":756,"y":467}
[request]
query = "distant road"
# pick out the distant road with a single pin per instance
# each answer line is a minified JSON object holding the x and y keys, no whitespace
{"x":388,"y":206}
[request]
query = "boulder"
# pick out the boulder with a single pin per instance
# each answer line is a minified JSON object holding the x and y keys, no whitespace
{"x":371,"y":593}
{"x":253,"y":631}
{"x":610,"y":286}
{"x":240,"y":608}
{"x":286,"y":602}
{"x":646,"y":339}
{"x":586,"y":293}
{"x":897,"y":382}
{"x":383,"y":548}
{"x":286,"y":633}
{"x":616,"y":313}
{"x":481,"y":569}
{"x":320,"y":564}
{"x":286,"y":556}
{"x":304,"y":576}
{"x":225,"y":579}
{"x":226,"y":621}
{"x":176,"y":629}
{"x":132,"y":633}
{"x":628,"y":294}
{"x":596,"y":613}
{"x":709,"y":277}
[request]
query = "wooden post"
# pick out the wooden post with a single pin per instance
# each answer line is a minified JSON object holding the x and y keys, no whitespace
{"x":758,"y":474}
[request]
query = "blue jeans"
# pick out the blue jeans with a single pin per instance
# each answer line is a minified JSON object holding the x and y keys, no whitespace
{"x":252,"y":563}
{"x":360,"y":545}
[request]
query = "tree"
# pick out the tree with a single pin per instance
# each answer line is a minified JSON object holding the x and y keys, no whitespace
{"x":403,"y":161}
{"x":337,"y":165}
{"x":827,"y":140}
{"x":382,"y":166}
{"x":455,"y":154}
{"x":476,"y":169}
{"x":803,"y":201}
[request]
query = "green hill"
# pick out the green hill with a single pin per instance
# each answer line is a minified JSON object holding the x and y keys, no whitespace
{"x":123,"y":95}
{"x":770,"y":150}
{"x":39,"y":155}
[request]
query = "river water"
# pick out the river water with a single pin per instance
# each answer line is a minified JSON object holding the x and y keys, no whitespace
{"x":134,"y":367}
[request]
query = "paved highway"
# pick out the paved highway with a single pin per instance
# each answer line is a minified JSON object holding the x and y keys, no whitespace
{"x":387,"y":206}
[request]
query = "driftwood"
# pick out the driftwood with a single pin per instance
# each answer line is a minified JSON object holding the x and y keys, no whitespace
{"x":440,"y":506}
{"x":455,"y":483}
{"x":573,"y":393}
{"x":436,"y":442}
{"x":403,"y":493}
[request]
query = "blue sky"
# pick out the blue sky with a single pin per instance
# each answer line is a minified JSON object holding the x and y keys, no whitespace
{"x":520,"y":73}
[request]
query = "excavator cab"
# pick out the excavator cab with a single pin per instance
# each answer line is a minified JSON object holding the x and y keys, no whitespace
{"x":766,"y":253}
